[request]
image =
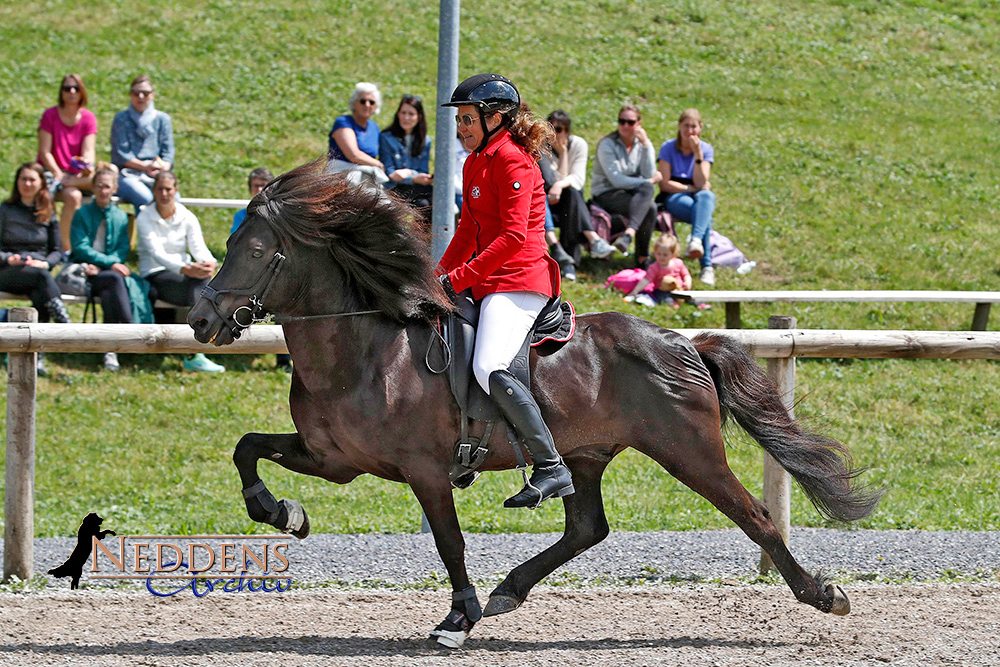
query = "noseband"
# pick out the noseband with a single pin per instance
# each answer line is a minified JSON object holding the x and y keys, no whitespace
{"x":255,"y":311}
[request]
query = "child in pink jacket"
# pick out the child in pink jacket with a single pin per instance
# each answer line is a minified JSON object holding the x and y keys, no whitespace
{"x":667,"y":274}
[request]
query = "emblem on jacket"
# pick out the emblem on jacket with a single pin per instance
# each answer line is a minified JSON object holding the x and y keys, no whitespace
{"x":517,"y":185}
{"x":475,"y":192}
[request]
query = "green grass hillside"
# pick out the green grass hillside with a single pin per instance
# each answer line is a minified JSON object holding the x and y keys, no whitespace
{"x":857,"y":146}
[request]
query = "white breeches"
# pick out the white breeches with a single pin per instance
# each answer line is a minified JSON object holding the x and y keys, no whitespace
{"x":505,"y":318}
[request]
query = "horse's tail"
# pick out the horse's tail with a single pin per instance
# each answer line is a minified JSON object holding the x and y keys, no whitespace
{"x":822,"y":466}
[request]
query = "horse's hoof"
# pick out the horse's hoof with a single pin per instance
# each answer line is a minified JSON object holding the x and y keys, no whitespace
{"x":841,"y":605}
{"x":500,"y":604}
{"x":449,"y":638}
{"x":298,"y":521}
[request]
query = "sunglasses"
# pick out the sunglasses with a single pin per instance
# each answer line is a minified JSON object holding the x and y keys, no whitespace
{"x":559,"y":130}
{"x":412,"y":99}
{"x":627,"y":121}
{"x":141,"y":93}
{"x":71,"y":89}
{"x":466,"y":120}
{"x":367,"y":102}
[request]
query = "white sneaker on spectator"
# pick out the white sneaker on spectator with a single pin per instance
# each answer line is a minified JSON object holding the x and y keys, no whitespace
{"x":707,"y":276}
{"x":695,"y":249}
{"x":111,"y":362}
{"x":645,"y":300}
{"x":601,"y":249}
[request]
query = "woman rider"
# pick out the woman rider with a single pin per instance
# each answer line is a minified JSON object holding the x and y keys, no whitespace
{"x":502,"y":230}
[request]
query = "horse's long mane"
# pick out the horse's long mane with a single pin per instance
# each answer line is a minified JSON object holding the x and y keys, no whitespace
{"x":371,"y":236}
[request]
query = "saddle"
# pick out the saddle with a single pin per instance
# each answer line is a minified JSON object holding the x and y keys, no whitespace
{"x":554,"y":326}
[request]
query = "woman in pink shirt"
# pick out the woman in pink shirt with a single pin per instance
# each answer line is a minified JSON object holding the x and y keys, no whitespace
{"x":67,"y":135}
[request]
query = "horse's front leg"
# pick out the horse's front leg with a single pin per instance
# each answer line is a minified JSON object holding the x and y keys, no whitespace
{"x":286,"y":450}
{"x":434,"y":493}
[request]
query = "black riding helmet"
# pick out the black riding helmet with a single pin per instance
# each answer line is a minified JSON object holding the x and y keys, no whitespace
{"x":490,"y":93}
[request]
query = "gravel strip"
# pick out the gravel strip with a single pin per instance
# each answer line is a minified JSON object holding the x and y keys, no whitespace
{"x":653,"y":556}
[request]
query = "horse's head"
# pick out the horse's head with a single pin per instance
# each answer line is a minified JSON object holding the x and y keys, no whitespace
{"x":314,"y":243}
{"x":245,"y":288}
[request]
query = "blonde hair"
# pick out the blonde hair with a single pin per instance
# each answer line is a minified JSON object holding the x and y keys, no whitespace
{"x":688,"y":114}
{"x":667,"y":242}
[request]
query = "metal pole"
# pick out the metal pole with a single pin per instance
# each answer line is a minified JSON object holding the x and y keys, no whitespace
{"x":443,"y":220}
{"x":19,"y":472}
{"x":777,"y":482}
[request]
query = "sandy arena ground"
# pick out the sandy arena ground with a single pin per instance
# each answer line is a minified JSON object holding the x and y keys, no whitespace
{"x":712,"y":625}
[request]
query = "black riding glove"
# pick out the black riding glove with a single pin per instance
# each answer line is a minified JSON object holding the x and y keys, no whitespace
{"x":448,"y":288}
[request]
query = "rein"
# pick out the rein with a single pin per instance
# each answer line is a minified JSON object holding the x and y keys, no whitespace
{"x":255,"y":312}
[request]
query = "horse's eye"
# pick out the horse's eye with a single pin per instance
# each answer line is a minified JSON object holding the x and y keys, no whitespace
{"x":257,"y":254}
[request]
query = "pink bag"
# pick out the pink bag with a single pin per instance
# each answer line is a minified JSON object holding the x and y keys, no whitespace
{"x":626,"y":280}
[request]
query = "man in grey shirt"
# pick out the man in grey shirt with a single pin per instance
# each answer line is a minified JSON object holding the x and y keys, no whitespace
{"x":624,"y":180}
{"x":142,"y":144}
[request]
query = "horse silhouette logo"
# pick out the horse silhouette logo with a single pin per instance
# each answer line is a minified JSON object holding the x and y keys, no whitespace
{"x":73,"y":567}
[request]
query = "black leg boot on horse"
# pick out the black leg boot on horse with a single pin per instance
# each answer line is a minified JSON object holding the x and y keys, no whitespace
{"x":550,"y":477}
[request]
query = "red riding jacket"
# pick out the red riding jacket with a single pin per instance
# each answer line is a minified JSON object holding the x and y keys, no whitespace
{"x":503,"y":223}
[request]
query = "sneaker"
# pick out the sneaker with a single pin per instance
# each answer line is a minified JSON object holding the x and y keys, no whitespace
{"x":569,"y":273}
{"x":111,"y":362}
{"x":40,"y":367}
{"x":695,"y":249}
{"x":201,"y":363}
{"x":645,"y":300}
{"x":601,"y":249}
{"x":707,"y":276}
{"x":560,"y":255}
{"x":622,"y":243}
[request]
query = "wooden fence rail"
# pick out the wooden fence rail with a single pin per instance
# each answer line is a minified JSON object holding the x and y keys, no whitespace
{"x":23,"y":339}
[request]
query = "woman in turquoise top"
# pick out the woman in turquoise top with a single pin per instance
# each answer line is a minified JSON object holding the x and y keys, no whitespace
{"x":100,"y":239}
{"x":405,"y":150}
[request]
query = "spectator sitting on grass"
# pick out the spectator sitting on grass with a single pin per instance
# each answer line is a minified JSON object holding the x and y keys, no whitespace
{"x":684,"y":163}
{"x":101,"y":243}
{"x":142,"y":144}
{"x":564,"y":169}
{"x":624,"y":178}
{"x":667,"y":275}
{"x":258,"y":178}
{"x":67,"y":136}
{"x":354,"y":137}
{"x":169,"y":236}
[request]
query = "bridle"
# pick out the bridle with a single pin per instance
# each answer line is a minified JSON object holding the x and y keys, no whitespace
{"x":255,"y":312}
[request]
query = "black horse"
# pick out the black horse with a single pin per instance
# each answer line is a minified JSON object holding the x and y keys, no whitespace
{"x":342,"y":268}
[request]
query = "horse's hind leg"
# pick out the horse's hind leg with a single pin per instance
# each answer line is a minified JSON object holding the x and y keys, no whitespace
{"x":286,"y":450}
{"x":586,"y":525}
{"x":700,"y":463}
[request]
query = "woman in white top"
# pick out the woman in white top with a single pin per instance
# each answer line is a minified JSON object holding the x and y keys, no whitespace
{"x":564,"y":169}
{"x":173,"y":256}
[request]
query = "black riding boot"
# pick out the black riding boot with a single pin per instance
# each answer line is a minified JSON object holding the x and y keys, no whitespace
{"x":57,"y":311}
{"x":549,"y":477}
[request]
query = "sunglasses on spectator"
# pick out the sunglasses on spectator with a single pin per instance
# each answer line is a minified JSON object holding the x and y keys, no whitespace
{"x":367,"y":102}
{"x":627,"y":121}
{"x":71,"y":89}
{"x":412,"y":99}
{"x":465,"y":119}
{"x":559,"y":129}
{"x":141,"y":93}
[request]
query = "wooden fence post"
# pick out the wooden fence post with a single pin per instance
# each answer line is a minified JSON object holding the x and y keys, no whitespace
{"x":777,"y":482}
{"x":19,"y":470}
